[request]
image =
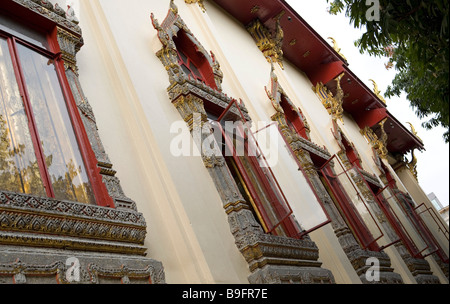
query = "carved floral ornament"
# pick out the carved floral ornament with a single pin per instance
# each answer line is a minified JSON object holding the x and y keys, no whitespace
{"x":269,"y":44}
{"x":412,"y":165}
{"x":181,"y":84}
{"x":379,"y":144}
{"x":66,"y":19}
{"x":377,"y":91}
{"x":333,"y":103}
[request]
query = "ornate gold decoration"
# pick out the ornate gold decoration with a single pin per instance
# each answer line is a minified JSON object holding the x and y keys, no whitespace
{"x":379,"y":144}
{"x":270,"y":45}
{"x":412,"y":165}
{"x":200,"y":3}
{"x":333,"y":104}
{"x":188,"y":106}
{"x":377,"y":91}
{"x":255,"y":9}
{"x":338,"y":100}
{"x":413,"y":130}
{"x":168,"y":29}
{"x":70,"y":45}
{"x":324,"y":95}
{"x":337,"y":48}
{"x":276,"y":91}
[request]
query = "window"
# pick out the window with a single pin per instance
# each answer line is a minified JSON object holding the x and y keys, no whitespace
{"x":351,"y":153}
{"x":254,"y":177}
{"x":192,"y":61}
{"x":390,"y":179}
{"x":348,"y":202}
{"x":293,"y":118}
{"x":39,"y":149}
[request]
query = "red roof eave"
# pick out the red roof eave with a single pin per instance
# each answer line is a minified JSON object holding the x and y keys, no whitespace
{"x":309,"y":52}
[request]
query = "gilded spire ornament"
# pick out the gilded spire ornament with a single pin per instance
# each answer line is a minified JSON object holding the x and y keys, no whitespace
{"x":337,"y":48}
{"x":269,"y":44}
{"x":338,"y":100}
{"x":377,"y":91}
{"x":412,"y":165}
{"x":333,"y":103}
{"x":413,"y":130}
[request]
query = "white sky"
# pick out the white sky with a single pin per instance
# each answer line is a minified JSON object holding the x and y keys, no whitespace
{"x":433,"y":164}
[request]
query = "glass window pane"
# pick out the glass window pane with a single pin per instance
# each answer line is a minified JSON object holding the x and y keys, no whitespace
{"x":19,"y":170}
{"x":62,"y":155}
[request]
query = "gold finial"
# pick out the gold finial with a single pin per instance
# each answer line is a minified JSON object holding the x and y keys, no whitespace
{"x":412,"y":165}
{"x":269,"y":44}
{"x":173,"y":7}
{"x":338,"y":100}
{"x":337,"y":48}
{"x":413,"y":130}
{"x":377,"y":91}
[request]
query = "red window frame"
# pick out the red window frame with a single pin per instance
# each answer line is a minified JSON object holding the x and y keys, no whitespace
{"x":270,"y":184}
{"x":392,"y":217}
{"x":351,"y":154}
{"x":293,"y":119}
{"x":349,"y":212}
{"x":102,"y":197}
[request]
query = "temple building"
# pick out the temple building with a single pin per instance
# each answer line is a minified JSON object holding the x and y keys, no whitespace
{"x":200,"y":141}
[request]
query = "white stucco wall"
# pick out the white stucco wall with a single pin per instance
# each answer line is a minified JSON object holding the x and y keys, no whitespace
{"x":126,"y":84}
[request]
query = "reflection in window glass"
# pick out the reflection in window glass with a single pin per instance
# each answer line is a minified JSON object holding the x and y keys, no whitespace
{"x":19,"y":170}
{"x":62,"y":156}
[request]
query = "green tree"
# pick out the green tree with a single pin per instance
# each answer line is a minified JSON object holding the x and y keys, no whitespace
{"x":414,"y":35}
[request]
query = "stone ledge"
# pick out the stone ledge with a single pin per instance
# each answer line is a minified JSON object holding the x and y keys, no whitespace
{"x":49,"y":266}
{"x":45,"y":218}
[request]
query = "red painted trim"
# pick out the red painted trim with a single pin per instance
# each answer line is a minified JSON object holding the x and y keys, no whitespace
{"x":190,"y":50}
{"x":39,"y":153}
{"x":286,"y":221}
{"x":423,"y":227}
{"x":293,"y":118}
{"x":300,"y":168}
{"x":370,"y":118}
{"x":88,"y":155}
{"x":354,"y":220}
{"x":324,"y":73}
{"x":93,"y":172}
